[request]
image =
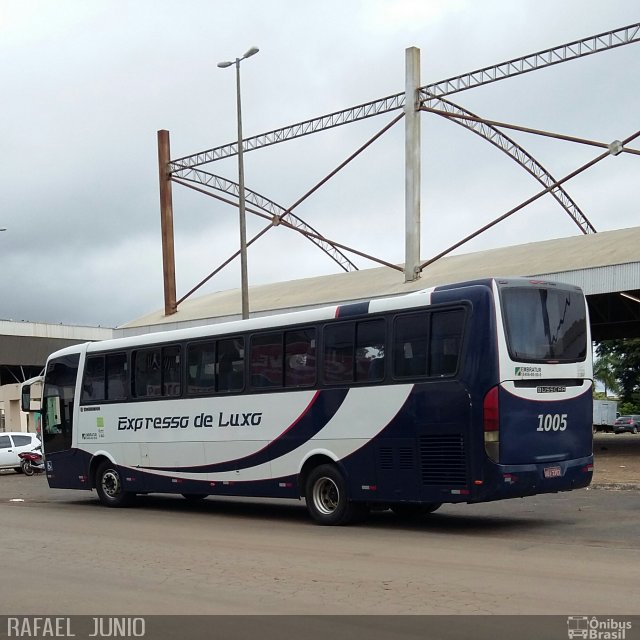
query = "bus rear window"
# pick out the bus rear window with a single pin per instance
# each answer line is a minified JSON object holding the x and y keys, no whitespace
{"x":544,"y":325}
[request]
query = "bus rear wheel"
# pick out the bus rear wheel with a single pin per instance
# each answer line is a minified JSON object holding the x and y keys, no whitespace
{"x":411,"y":511}
{"x":108,"y":484}
{"x":327,"y":499}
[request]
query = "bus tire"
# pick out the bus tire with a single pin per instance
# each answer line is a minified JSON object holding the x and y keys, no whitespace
{"x":412,"y":510}
{"x":108,"y":483}
{"x":327,"y":498}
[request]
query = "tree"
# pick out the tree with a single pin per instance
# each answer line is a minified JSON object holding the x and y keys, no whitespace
{"x":623,"y":357}
{"x":604,"y":371}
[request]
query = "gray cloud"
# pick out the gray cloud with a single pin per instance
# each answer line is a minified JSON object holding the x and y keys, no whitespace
{"x":87,"y":85}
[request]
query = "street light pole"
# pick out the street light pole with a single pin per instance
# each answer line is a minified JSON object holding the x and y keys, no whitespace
{"x":244,"y":279}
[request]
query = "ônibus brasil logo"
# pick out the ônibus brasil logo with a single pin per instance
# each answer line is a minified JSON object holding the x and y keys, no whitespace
{"x":592,"y":628}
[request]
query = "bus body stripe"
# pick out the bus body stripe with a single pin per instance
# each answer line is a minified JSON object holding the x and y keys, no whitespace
{"x":316,"y":415}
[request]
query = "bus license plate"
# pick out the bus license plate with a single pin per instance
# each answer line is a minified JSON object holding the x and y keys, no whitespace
{"x":552,"y":472}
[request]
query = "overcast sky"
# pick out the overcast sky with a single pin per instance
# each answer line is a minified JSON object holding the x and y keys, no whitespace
{"x":85,"y":86}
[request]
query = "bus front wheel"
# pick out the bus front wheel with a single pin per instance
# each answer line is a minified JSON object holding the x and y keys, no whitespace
{"x":327,"y":499}
{"x":109,"y":486}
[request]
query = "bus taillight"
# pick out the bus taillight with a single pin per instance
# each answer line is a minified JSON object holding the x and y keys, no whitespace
{"x":491,"y":424}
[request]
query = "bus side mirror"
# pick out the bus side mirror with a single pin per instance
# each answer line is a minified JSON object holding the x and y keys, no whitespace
{"x":31,"y":396}
{"x":25,"y":398}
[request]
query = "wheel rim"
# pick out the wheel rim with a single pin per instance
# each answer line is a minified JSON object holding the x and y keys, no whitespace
{"x":111,"y":483}
{"x":326,"y":496}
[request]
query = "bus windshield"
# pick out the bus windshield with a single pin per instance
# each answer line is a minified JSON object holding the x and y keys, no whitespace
{"x":544,"y":324}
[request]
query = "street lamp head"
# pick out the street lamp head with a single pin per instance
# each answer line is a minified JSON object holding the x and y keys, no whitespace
{"x":224,"y":65}
{"x":251,"y":52}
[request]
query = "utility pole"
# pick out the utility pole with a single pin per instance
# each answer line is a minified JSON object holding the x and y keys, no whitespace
{"x":166,"y":223}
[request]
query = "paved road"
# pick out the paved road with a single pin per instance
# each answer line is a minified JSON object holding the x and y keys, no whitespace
{"x":562,"y":554}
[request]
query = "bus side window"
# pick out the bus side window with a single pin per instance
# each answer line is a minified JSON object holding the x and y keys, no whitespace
{"x":230,"y":364}
{"x":147,"y":373}
{"x":410,"y":345}
{"x":446,"y":340}
{"x":94,"y":380}
{"x":171,"y":371}
{"x":339,"y":344}
{"x":370,"y":341}
{"x":157,"y":372}
{"x":116,"y":375}
{"x":201,"y":368}
{"x":266,"y":360}
{"x":300,"y":358}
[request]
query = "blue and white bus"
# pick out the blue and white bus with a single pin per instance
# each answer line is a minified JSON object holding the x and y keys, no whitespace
{"x":468,"y":392}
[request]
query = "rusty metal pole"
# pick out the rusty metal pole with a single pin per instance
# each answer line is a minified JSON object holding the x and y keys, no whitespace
{"x":412,"y":164}
{"x":166,"y":223}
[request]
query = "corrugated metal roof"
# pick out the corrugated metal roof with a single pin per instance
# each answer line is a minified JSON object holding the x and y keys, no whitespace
{"x":606,"y":259}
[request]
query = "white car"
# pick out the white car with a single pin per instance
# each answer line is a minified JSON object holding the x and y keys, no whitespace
{"x":11,"y":444}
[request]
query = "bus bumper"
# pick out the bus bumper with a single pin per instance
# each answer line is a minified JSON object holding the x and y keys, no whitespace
{"x":513,"y":481}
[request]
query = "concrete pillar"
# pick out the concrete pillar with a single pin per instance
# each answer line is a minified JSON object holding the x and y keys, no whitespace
{"x":412,"y":165}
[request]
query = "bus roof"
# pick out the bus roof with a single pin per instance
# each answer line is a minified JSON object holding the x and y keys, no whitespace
{"x":406,"y":300}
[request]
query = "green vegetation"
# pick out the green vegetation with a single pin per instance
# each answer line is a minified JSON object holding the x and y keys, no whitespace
{"x":617,"y":368}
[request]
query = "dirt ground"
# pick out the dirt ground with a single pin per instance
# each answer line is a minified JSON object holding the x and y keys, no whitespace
{"x":616,"y":460}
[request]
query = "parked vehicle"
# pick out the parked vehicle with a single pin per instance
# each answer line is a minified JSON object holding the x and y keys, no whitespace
{"x":627,"y":424}
{"x":31,"y":462}
{"x":605,"y":413}
{"x":12,"y":444}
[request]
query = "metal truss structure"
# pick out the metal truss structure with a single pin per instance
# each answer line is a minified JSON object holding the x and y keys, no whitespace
{"x":534,"y":61}
{"x":515,"y":152}
{"x":509,"y":69}
{"x":305,"y":128}
{"x":429,"y":98}
{"x":273,"y":211}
